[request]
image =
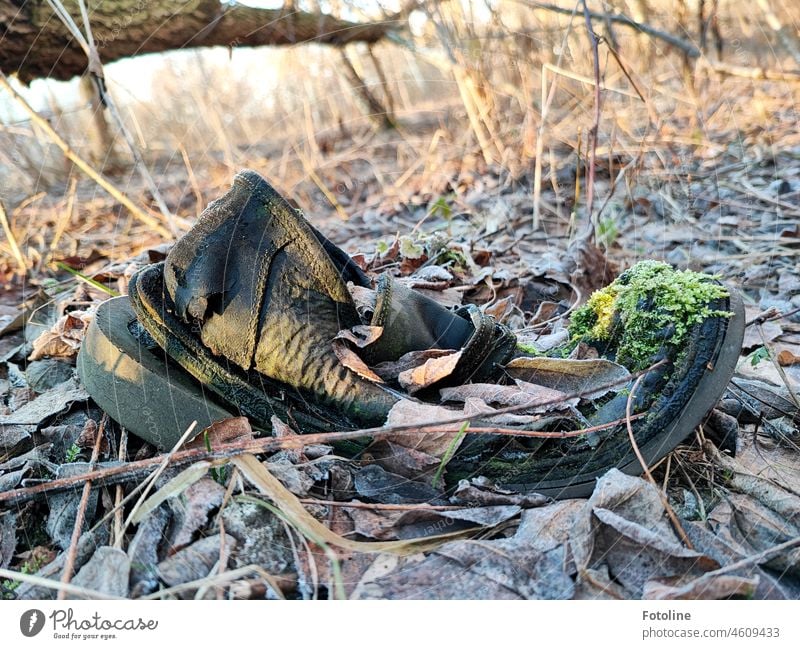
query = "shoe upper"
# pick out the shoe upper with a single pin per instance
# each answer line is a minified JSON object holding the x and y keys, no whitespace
{"x":266,"y":291}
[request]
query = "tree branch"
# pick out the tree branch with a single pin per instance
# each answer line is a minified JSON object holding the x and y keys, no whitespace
{"x":36,"y":44}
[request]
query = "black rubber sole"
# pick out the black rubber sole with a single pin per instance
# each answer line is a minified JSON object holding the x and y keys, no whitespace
{"x":692,"y":391}
{"x":138,"y":386}
{"x":712,"y":351}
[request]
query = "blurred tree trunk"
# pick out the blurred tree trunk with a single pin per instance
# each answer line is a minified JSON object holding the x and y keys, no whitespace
{"x":36,"y":43}
{"x":101,"y":138}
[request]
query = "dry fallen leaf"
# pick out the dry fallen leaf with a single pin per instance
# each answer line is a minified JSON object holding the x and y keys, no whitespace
{"x":406,"y":412}
{"x":224,"y":431}
{"x":390,"y":370}
{"x":592,"y":377}
{"x":523,"y":395}
{"x":63,"y":339}
{"x":353,"y":362}
{"x":360,"y":335}
{"x":431,"y":371}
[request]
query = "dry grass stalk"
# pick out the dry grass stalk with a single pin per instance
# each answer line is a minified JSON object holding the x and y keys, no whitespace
{"x":673,"y":517}
{"x":12,"y":242}
{"x":82,"y":164}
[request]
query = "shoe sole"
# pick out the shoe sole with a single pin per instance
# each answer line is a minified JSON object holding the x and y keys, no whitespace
{"x":717,"y":344}
{"x":139,"y":387}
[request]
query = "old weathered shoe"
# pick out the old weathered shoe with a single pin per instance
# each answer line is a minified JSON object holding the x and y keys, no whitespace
{"x":249,"y":303}
{"x":250,"y":300}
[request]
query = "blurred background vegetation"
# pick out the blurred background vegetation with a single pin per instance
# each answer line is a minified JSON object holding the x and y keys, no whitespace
{"x":453,"y":97}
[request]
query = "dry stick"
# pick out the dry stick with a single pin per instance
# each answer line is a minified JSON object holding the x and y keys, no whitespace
{"x":670,"y":512}
{"x":686,"y":47}
{"x":97,"y":74}
{"x":129,"y":471}
{"x":546,"y":103}
{"x":69,"y":564}
{"x":120,"y":494}
{"x":382,"y":506}
{"x":590,"y":234}
{"x":12,"y":241}
{"x":84,"y":166}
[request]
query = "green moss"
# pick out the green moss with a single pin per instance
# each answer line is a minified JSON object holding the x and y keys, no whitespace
{"x":647,"y":307}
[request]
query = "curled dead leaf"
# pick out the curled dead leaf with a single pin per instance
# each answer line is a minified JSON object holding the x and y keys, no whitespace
{"x":63,"y":339}
{"x":353,"y":362}
{"x":431,"y":371}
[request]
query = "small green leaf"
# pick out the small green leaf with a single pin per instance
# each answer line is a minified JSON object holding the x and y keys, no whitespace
{"x":761,"y":354}
{"x":451,"y":450}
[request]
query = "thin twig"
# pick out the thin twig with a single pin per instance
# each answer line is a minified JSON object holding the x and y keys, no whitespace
{"x":97,"y":74}
{"x":621,"y":19}
{"x":673,"y":517}
{"x":132,"y":470}
{"x":593,"y":130}
{"x":120,"y":494}
{"x":546,"y":103}
{"x":69,"y":564}
{"x":121,"y":473}
{"x":756,"y":558}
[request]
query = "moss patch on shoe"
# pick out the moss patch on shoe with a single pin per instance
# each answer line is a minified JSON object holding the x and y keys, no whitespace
{"x":648,"y":307}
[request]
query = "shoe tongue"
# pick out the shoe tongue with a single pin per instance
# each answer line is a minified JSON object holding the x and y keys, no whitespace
{"x":218,"y":274}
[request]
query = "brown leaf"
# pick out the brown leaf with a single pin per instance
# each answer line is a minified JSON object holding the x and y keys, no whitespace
{"x":522,"y":395}
{"x":406,"y":412}
{"x":624,"y":528}
{"x":390,"y":370}
{"x":592,"y":377}
{"x":360,"y":335}
{"x":224,"y":431}
{"x":64,"y":338}
{"x":501,"y":309}
{"x":431,"y":371}
{"x":407,"y":462}
{"x":353,"y":362}
{"x":544,"y":312}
